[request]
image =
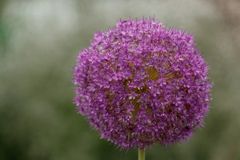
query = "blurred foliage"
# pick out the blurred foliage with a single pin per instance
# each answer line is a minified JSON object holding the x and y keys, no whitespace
{"x":39,"y":41}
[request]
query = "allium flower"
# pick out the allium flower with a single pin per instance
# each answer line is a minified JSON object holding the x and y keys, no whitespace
{"x":141,"y":84}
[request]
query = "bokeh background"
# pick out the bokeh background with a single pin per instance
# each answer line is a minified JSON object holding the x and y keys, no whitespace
{"x":39,"y":42}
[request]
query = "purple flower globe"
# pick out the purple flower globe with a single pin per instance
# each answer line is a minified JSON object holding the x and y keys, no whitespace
{"x":141,"y":84}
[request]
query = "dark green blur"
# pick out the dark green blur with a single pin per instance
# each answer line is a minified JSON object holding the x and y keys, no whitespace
{"x":39,"y":42}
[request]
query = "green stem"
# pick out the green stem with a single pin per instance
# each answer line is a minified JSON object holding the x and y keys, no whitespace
{"x":141,"y":154}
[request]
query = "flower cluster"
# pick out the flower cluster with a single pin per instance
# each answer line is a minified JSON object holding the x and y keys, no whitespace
{"x":141,"y":84}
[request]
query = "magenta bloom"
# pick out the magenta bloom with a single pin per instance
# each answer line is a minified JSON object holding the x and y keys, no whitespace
{"x":141,"y":84}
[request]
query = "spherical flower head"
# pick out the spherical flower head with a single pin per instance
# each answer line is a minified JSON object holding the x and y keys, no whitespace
{"x":141,"y":84}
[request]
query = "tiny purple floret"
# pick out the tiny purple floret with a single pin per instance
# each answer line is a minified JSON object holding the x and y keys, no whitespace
{"x":141,"y":84}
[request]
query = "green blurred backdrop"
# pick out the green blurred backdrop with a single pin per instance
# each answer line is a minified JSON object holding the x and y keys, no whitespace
{"x":39,"y":42}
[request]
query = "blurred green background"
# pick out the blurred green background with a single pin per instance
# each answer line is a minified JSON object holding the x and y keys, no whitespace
{"x":39,"y":42}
